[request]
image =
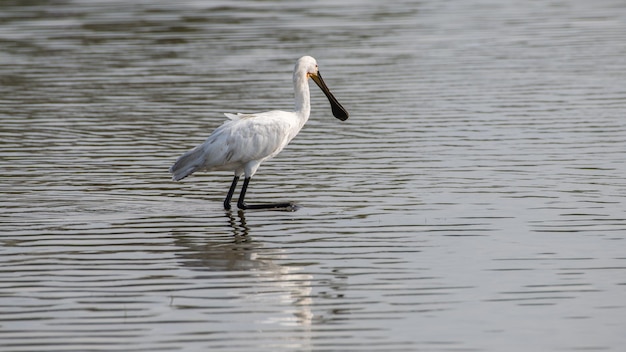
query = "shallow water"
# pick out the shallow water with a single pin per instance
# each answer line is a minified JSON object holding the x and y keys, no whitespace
{"x":474,"y":201}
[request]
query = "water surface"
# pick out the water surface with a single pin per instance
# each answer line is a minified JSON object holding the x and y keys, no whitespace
{"x":474,"y":201}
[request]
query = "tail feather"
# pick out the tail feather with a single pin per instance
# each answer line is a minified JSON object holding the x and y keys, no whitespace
{"x":187,"y":164}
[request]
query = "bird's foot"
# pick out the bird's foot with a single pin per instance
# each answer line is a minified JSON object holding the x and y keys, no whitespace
{"x":290,"y":206}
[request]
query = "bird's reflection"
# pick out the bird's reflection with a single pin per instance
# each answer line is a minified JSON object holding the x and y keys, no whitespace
{"x":235,"y":250}
{"x":241,"y":231}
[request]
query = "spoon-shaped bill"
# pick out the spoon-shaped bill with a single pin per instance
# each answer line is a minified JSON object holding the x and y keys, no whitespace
{"x":338,"y":110}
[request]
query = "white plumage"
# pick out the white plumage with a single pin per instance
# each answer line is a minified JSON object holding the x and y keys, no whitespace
{"x":240,"y":144}
{"x":244,"y":141}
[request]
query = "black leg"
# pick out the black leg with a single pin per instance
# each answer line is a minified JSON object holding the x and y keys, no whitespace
{"x":243,"y":206}
{"x":229,"y":196}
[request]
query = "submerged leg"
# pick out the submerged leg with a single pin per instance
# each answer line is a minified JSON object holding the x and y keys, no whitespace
{"x":229,"y":196}
{"x":243,"y":206}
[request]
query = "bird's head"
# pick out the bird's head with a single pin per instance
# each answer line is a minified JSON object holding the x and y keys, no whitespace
{"x":309,"y":65}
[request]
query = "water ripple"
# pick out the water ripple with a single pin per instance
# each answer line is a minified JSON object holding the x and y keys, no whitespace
{"x":473,"y":202}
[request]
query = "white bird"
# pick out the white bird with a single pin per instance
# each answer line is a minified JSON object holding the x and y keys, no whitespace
{"x":242,"y":143}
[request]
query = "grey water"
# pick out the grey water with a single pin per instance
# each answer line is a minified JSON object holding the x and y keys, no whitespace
{"x":474,"y":201}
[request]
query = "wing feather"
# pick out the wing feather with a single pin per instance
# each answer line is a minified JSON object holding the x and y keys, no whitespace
{"x":245,"y":138}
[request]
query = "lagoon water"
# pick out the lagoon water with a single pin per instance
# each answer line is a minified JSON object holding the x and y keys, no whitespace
{"x":474,"y":201}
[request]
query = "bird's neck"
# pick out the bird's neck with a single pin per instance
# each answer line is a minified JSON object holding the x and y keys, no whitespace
{"x":302,"y":95}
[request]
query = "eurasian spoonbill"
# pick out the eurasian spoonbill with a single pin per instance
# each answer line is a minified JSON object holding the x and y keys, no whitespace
{"x":244,"y":141}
